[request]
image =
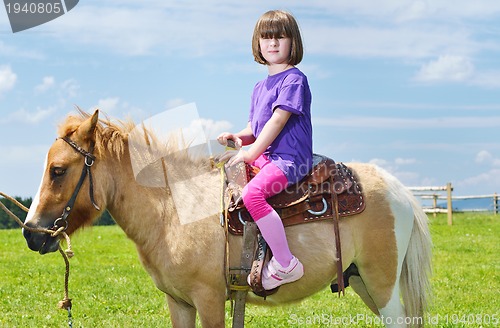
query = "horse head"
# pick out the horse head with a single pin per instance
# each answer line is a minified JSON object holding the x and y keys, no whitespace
{"x":65,"y":195}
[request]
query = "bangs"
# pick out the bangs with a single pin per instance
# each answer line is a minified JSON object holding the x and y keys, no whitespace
{"x":274,"y":29}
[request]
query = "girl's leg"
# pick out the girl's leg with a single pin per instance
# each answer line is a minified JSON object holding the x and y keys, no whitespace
{"x":273,"y":231}
{"x":268,"y":182}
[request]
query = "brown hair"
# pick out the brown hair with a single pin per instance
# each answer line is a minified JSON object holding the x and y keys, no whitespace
{"x":278,"y":24}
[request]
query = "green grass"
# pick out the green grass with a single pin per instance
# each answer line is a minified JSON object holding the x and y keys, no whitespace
{"x":109,"y":287}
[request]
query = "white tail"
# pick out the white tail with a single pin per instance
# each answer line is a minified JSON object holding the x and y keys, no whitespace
{"x":417,"y":269}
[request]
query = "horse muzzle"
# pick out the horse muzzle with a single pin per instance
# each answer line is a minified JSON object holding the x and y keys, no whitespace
{"x":42,"y":243}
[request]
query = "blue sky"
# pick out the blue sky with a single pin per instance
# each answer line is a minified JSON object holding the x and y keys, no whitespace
{"x":413,"y":86}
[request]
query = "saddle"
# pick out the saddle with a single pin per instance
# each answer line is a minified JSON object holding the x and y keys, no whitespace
{"x":329,"y":191}
{"x":309,"y":200}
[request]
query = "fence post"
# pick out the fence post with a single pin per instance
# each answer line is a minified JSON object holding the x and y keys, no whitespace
{"x":449,"y":189}
{"x":495,"y":203}
{"x":434,"y":203}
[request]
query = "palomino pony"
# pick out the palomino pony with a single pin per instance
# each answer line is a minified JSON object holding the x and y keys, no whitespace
{"x":389,"y":242}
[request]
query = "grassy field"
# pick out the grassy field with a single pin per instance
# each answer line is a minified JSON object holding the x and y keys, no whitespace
{"x":109,"y":288}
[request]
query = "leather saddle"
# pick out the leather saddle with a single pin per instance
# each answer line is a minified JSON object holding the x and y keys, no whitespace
{"x":310,"y":200}
{"x":329,"y":191}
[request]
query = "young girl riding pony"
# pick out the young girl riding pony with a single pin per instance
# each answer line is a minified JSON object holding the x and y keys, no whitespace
{"x":279,"y":131}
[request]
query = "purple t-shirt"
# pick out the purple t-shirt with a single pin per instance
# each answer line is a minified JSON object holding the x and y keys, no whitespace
{"x":291,"y":151}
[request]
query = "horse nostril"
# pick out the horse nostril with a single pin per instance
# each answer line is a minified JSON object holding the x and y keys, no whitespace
{"x":26,"y":234}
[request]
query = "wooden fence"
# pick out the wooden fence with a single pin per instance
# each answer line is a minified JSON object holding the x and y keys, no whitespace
{"x":445,"y":193}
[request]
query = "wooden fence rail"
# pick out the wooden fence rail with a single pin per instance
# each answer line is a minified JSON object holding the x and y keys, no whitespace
{"x":436,"y":193}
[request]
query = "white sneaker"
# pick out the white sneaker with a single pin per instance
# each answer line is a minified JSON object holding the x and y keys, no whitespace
{"x":274,"y":275}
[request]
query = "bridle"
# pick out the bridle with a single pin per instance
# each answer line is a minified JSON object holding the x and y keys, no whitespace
{"x":89,"y":160}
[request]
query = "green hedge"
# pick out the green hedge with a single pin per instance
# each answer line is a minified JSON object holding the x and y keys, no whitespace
{"x":7,"y":222}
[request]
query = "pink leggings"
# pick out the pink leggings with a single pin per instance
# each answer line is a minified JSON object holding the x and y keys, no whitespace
{"x":268,"y":182}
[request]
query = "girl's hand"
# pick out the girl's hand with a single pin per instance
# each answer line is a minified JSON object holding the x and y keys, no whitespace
{"x":234,"y":157}
{"x":240,"y":156}
{"x":227,"y":155}
{"x":225,"y":136}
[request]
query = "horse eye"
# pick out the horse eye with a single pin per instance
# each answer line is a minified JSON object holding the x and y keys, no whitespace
{"x":57,"y":172}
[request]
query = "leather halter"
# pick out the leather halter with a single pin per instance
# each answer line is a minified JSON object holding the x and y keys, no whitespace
{"x":89,"y":160}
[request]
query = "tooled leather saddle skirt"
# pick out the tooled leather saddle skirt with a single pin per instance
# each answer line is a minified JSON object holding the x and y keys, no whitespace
{"x":310,"y":200}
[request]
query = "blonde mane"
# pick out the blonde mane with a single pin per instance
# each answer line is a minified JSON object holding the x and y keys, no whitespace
{"x":113,"y":137}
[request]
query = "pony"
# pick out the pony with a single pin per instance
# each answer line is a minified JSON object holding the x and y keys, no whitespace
{"x":389,"y":241}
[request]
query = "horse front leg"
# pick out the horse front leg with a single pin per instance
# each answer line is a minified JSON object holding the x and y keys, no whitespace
{"x":182,"y":314}
{"x":210,"y":305}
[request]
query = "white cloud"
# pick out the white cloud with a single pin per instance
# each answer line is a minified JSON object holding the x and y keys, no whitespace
{"x":394,"y":167}
{"x":488,"y":181}
{"x":119,"y":109}
{"x":6,"y":49}
{"x":380,"y":162}
{"x":214,"y":128}
{"x":70,"y":88}
{"x":107,"y":105}
{"x":401,"y":42}
{"x":168,"y":28}
{"x":48,"y":82}
{"x":7,"y":79}
{"x":315,"y":71}
{"x":399,"y":11}
{"x":488,"y":79}
{"x":377,"y":122}
{"x":446,"y":68}
{"x":485,"y":157}
{"x":405,"y":161}
{"x":134,"y":28}
{"x":413,"y":11}
{"x":10,"y":51}
{"x":429,"y":181}
{"x":416,"y":106}
{"x":486,"y":176}
{"x":405,"y":30}
{"x":16,"y":155}
{"x":31,"y":117}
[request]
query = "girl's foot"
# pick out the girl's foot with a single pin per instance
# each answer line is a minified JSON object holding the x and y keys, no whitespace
{"x":274,"y":275}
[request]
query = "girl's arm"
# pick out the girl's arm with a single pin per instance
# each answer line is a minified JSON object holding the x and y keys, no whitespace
{"x":246,"y":136}
{"x":242,"y":138}
{"x":270,"y":131}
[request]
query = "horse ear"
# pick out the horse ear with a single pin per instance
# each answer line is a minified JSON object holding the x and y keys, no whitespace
{"x":87,"y":128}
{"x":94,"y":120}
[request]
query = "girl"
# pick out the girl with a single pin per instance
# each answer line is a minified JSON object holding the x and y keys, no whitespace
{"x":280,"y":134}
